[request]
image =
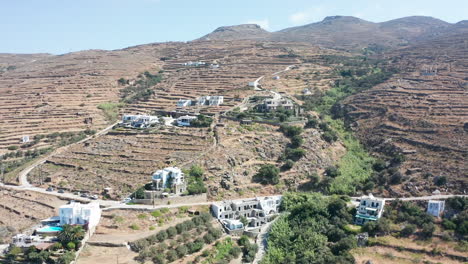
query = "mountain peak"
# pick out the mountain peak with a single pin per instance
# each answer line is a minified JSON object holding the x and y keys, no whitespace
{"x":243,"y":31}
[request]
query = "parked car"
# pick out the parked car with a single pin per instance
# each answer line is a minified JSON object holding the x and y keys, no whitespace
{"x":127,"y":200}
{"x":84,"y":195}
{"x":94,"y":197}
{"x":61,"y":191}
{"x":50,"y":189}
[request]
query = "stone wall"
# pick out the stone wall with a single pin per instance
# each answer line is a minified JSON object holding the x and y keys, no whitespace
{"x":173,"y":200}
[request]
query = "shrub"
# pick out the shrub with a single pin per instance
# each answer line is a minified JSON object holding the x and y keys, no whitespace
{"x":427,"y":230}
{"x":408,"y":230}
{"x":440,"y":180}
{"x":208,"y":238}
{"x":156,"y":213}
{"x":295,"y":154}
{"x":181,"y":228}
{"x":296,"y":141}
{"x":291,"y":131}
{"x":181,"y":251}
{"x":171,"y":232}
{"x":243,"y":241}
{"x":288,"y":164}
{"x":268,"y":173}
{"x":332,"y":171}
{"x":134,"y":227}
{"x":171,"y":255}
{"x":235,"y":252}
{"x":12,"y":147}
{"x":66,"y":258}
{"x":142,"y":216}
{"x":71,"y":246}
{"x":162,"y":235}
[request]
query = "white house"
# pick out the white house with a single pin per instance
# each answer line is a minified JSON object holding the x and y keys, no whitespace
{"x":170,"y":177}
{"x":306,"y":91}
{"x":184,"y":103}
{"x":185,"y":120}
{"x":128,"y":119}
{"x":275,"y":103}
{"x":435,"y":208}
{"x":145,"y":121}
{"x":253,"y":84}
{"x":369,"y":209}
{"x":139,"y":121}
{"x":80,"y":214}
{"x":215,"y":100}
{"x":276,"y":77}
{"x":234,"y":209}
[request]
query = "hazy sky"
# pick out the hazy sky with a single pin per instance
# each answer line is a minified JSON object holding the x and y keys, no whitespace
{"x":60,"y":26}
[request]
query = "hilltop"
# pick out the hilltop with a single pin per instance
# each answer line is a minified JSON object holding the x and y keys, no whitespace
{"x":344,"y":32}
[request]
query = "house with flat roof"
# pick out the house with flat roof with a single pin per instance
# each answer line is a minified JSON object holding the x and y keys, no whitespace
{"x":272,"y":104}
{"x":76,"y":213}
{"x":139,"y":121}
{"x":185,"y":120}
{"x":370,"y":208}
{"x":184,"y":103}
{"x":169,"y":178}
{"x":435,"y":208}
{"x":257,"y":211}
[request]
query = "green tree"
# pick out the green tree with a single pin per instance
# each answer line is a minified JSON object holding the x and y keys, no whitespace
{"x":66,"y":258}
{"x":408,"y":230}
{"x":71,"y":234}
{"x":268,"y":173}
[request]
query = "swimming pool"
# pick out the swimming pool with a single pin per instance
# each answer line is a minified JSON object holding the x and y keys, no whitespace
{"x":49,"y":229}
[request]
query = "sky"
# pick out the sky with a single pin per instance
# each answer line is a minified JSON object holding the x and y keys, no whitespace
{"x":62,"y":26}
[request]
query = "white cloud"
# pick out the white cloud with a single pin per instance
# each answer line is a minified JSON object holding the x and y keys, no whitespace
{"x":306,"y":16}
{"x":264,"y":23}
{"x":299,"y":18}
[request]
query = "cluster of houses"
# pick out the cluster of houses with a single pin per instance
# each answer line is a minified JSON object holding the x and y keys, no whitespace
{"x":139,"y":121}
{"x":74,"y":213}
{"x":212,"y":100}
{"x":200,"y":64}
{"x":371,"y":208}
{"x":254,"y":212}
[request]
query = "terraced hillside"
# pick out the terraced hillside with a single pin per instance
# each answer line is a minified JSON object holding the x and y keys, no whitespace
{"x":122,"y":160}
{"x":22,"y":210}
{"x":239,"y":63}
{"x":125,"y":159}
{"x":423,"y":112}
{"x":61,"y":93}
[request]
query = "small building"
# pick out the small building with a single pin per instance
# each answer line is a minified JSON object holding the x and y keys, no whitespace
{"x":216,"y":100}
{"x":185,"y":120}
{"x":272,"y":104}
{"x":139,"y":121}
{"x":76,"y":213}
{"x":435,"y":208}
{"x":276,"y":77}
{"x":195,"y":63}
{"x":210,"y":100}
{"x":253,"y":84}
{"x":24,"y":139}
{"x":306,"y":91}
{"x":214,"y":66}
{"x":369,"y":209}
{"x":184,"y":103}
{"x":145,"y":121}
{"x":128,"y":119}
{"x":169,"y":178}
